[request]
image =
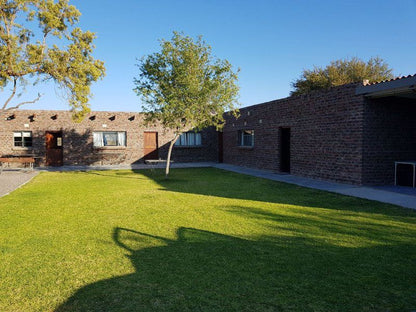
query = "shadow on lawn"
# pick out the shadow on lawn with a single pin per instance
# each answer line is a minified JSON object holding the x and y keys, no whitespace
{"x":118,"y":174}
{"x":221,"y":183}
{"x":206,"y":271}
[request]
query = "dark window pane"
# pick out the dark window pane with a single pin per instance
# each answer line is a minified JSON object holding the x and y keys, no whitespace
{"x":246,"y":137}
{"x":18,"y":141}
{"x":110,"y":138}
{"x":27,"y":142}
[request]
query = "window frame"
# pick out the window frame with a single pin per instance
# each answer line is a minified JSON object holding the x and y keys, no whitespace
{"x":25,"y":143}
{"x":242,"y":138}
{"x":190,"y":136}
{"x":100,"y":141}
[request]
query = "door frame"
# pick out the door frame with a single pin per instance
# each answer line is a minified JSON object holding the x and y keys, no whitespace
{"x":155,"y":153}
{"x":220,"y":146}
{"x":285,"y":149}
{"x":55,"y":162}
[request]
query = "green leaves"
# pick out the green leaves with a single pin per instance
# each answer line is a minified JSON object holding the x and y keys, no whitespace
{"x":184,"y":87}
{"x":25,"y":52}
{"x":341,"y":72}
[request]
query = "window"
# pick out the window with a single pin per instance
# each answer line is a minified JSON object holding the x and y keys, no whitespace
{"x":246,"y":138}
{"x":22,"y":139}
{"x":109,"y":138}
{"x":189,"y":139}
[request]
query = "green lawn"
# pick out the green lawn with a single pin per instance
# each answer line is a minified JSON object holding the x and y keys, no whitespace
{"x":204,"y":240}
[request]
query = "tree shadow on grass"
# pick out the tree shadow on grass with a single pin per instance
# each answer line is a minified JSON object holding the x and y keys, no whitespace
{"x":220,"y":183}
{"x":330,"y":227}
{"x":119,"y":174}
{"x":206,"y":271}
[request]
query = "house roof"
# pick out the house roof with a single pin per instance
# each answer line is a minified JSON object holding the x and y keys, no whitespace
{"x":404,"y":86}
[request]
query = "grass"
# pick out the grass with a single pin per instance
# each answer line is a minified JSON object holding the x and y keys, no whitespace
{"x":204,"y":240}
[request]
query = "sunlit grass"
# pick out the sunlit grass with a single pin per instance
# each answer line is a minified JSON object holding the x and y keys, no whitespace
{"x":205,"y":240}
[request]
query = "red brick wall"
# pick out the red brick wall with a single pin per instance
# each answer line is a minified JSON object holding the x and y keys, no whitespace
{"x":326,"y":135}
{"x":77,"y":137}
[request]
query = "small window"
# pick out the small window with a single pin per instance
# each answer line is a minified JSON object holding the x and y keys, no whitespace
{"x":22,"y":139}
{"x":109,"y":138}
{"x":246,"y":138}
{"x":189,"y":139}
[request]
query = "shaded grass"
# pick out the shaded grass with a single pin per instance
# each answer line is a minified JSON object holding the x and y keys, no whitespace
{"x":203,"y":240}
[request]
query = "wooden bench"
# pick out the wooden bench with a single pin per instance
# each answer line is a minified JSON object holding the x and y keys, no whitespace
{"x":27,"y":161}
{"x":155,"y":161}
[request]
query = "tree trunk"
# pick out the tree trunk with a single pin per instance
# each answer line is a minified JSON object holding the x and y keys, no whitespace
{"x":170,"y":153}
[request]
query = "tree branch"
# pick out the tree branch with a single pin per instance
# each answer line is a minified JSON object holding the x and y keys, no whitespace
{"x":12,"y":95}
{"x":5,"y":109}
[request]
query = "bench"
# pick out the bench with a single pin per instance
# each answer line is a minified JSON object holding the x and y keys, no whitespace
{"x":26,"y":161}
{"x":155,"y":161}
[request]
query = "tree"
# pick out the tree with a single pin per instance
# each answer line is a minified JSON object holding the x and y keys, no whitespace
{"x":39,"y":42}
{"x":184,"y":88}
{"x":341,"y":72}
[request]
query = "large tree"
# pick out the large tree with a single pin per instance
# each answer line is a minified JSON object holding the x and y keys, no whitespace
{"x":341,"y":72}
{"x":185,"y":88}
{"x":39,"y":42}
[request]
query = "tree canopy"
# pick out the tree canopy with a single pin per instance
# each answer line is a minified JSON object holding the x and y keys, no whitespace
{"x":184,"y":87}
{"x":341,"y":72}
{"x":39,"y":42}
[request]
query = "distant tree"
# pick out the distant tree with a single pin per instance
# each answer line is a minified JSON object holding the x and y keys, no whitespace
{"x":39,"y":42}
{"x":341,"y":72}
{"x":184,"y":88}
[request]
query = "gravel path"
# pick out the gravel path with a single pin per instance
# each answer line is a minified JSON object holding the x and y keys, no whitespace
{"x":11,"y":180}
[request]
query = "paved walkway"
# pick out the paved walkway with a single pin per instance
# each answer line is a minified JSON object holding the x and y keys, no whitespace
{"x":11,"y":180}
{"x":124,"y":167}
{"x":389,"y":196}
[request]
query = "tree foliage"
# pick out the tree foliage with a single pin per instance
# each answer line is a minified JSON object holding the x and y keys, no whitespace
{"x":341,"y":72}
{"x":183,"y":87}
{"x":39,"y":42}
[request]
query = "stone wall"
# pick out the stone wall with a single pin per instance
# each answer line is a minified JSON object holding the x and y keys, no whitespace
{"x":78,"y":138}
{"x":326,"y":135}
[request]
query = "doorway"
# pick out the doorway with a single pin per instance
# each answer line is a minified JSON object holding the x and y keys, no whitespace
{"x":54,"y":151}
{"x":285,"y":150}
{"x":220,"y":147}
{"x":150,"y":145}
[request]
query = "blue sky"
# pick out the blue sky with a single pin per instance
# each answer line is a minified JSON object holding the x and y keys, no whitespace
{"x":270,"y":41}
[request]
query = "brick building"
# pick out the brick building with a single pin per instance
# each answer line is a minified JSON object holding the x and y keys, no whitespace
{"x":352,"y":134}
{"x":102,"y":138}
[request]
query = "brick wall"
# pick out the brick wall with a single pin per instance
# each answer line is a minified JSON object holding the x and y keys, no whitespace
{"x":78,"y":141}
{"x":390,"y":135}
{"x":326,"y":135}
{"x":335,"y":135}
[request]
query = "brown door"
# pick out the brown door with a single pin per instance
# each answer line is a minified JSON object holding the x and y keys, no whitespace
{"x":54,"y":154}
{"x":150,"y":145}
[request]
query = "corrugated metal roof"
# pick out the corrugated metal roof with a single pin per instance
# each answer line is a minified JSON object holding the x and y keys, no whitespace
{"x":393,"y":79}
{"x":399,"y":86}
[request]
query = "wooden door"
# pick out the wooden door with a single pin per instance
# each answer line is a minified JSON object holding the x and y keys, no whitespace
{"x":285,"y":150}
{"x":54,"y":152}
{"x":150,"y":145}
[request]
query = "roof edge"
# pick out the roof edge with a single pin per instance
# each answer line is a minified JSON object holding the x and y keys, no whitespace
{"x":389,"y":87}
